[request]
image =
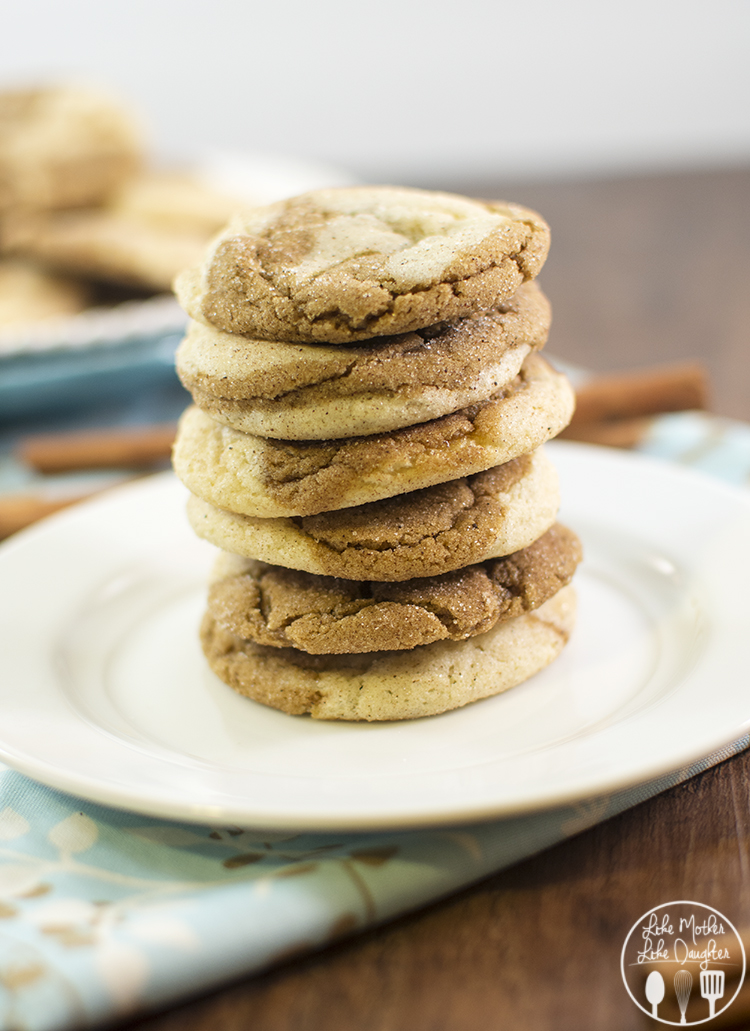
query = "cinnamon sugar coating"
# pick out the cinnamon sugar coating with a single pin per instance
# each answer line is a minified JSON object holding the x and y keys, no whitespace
{"x":423,"y":533}
{"x":393,"y":685}
{"x":284,"y":608}
{"x":256,"y":476}
{"x":349,"y":264}
{"x":318,"y":391}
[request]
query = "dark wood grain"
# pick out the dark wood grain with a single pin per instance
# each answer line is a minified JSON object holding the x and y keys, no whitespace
{"x":646,"y":270}
{"x":535,"y":947}
{"x":643,"y":271}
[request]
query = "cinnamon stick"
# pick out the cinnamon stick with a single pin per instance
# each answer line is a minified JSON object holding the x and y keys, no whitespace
{"x":617,"y":433}
{"x":669,"y":388}
{"x":20,"y":510}
{"x":126,"y":447}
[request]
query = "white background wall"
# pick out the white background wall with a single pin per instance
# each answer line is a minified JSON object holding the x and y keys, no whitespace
{"x":411,"y":90}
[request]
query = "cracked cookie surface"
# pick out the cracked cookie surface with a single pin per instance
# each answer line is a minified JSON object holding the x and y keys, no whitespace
{"x":315,"y":391}
{"x":256,"y":476}
{"x":347,"y":264}
{"x":393,"y":685}
{"x":323,"y":615}
{"x":423,"y":533}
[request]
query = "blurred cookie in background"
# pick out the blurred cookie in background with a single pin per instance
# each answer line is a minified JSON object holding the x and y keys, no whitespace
{"x":152,"y":227}
{"x":103,"y":245}
{"x":176,"y":199}
{"x":29,"y":294}
{"x":64,"y":146}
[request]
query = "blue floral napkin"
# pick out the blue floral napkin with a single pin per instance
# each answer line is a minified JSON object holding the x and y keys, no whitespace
{"x":105,"y":913}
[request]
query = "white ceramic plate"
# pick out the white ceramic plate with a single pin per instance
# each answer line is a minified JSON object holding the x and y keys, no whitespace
{"x":104,"y":692}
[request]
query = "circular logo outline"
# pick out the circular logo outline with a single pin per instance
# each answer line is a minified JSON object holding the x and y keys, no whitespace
{"x":665,"y":905}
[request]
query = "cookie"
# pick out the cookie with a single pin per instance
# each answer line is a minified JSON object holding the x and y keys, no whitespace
{"x":28,"y":294}
{"x":256,"y":476}
{"x":174,"y":200}
{"x":394,"y":685}
{"x":348,"y":264}
{"x":314,"y":391}
{"x":423,"y":533}
{"x":322,"y":615}
{"x":63,"y":147}
{"x":104,"y":245}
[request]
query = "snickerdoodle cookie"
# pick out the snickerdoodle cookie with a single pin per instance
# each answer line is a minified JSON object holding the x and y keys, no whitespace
{"x":153,"y":226}
{"x":29,"y":294}
{"x":316,"y":391}
{"x":348,"y":264}
{"x":422,"y":533}
{"x":393,"y":685}
{"x":104,"y":245}
{"x":62,"y":147}
{"x":258,"y":476}
{"x":323,"y":615}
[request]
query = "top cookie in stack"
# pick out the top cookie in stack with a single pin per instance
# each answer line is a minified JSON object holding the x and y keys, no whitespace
{"x":364,"y":448}
{"x":352,"y":264}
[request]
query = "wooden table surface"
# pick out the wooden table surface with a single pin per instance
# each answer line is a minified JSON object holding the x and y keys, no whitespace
{"x":642,"y":271}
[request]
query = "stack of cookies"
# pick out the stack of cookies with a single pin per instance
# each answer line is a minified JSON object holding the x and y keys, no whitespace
{"x":370,"y":404}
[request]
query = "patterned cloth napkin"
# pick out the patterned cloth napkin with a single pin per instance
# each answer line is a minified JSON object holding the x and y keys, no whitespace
{"x":105,"y":913}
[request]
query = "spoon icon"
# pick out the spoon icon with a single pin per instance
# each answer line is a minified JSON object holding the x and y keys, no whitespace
{"x":654,"y":990}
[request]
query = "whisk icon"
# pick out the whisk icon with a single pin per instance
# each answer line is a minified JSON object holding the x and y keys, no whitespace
{"x":683,"y":986}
